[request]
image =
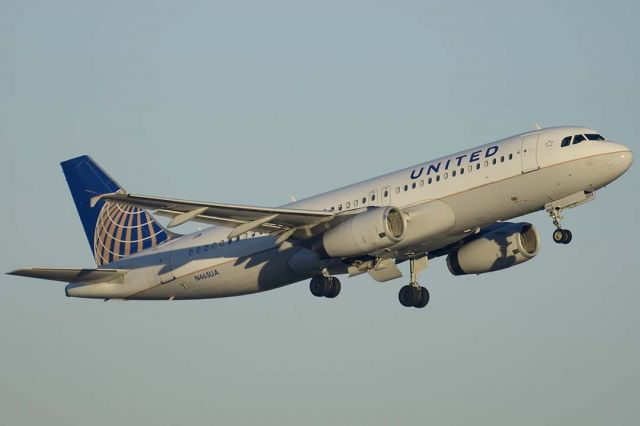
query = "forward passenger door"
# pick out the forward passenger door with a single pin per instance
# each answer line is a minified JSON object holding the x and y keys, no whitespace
{"x":529,"y":153}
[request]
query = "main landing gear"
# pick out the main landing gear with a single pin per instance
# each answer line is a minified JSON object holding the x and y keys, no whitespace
{"x":560,"y":236}
{"x":325,"y":286}
{"x":413,"y":295}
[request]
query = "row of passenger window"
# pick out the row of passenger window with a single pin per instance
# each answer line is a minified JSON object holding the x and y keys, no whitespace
{"x":454,"y":173}
{"x":429,"y":181}
{"x":569,"y":140}
{"x":212,"y":246}
{"x":355,"y":203}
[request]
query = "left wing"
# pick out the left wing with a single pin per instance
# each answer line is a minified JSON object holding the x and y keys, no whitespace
{"x":282,"y":221}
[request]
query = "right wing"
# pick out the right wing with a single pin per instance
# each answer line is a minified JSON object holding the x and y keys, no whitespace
{"x":282,"y":221}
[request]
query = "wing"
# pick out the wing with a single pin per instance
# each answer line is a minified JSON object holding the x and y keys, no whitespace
{"x":282,"y":221}
{"x":72,"y":275}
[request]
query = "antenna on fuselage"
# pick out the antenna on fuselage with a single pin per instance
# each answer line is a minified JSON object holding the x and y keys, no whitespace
{"x":537,"y":126}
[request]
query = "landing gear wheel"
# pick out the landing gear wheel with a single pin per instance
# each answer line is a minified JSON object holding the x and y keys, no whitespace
{"x":562,"y":236}
{"x":317,"y":285}
{"x":423,"y":299}
{"x":558,"y":235}
{"x":409,"y":296}
{"x":333,"y":289}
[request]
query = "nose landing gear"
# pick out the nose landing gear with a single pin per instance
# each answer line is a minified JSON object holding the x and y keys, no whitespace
{"x":560,"y":236}
{"x":564,"y":236}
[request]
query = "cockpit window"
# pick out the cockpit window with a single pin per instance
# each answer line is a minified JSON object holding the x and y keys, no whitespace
{"x":566,"y":141}
{"x":578,"y":139}
{"x":594,"y":137}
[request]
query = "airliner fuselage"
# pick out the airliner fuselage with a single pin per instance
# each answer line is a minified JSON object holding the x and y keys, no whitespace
{"x":440,"y":205}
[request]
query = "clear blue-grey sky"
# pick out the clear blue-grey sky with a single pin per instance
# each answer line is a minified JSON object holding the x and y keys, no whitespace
{"x":251,"y":102}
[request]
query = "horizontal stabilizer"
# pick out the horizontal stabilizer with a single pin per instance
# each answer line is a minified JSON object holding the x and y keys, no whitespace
{"x":73,"y":275}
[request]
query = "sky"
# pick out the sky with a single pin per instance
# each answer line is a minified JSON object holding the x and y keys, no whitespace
{"x":252,"y":102}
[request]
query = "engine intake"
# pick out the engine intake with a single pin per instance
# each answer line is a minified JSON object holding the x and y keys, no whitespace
{"x":365,"y":233}
{"x":500,"y":247}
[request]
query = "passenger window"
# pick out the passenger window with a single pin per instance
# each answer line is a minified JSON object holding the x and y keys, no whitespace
{"x":578,"y":139}
{"x":565,"y":142}
{"x":493,"y":161}
{"x":364,"y":200}
{"x":594,"y":137}
{"x":413,"y":185}
{"x":510,"y":156}
{"x":397,"y":189}
{"x":339,"y":207}
{"x":406,"y":187}
{"x":470,"y":168}
{"x":453,"y":173}
{"x":386,"y":193}
{"x":421,"y":183}
{"x":446,"y":175}
{"x":478,"y":166}
{"x":462,"y":171}
{"x":190,"y":252}
{"x":347,"y":205}
{"x":438,"y":178}
{"x":373,"y":197}
{"x":429,"y":181}
{"x":355,"y":203}
{"x":333,"y":208}
{"x":486,"y":163}
{"x":502,"y":158}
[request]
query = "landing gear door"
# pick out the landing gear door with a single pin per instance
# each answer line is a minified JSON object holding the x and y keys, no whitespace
{"x":165,"y":270}
{"x":529,"y":153}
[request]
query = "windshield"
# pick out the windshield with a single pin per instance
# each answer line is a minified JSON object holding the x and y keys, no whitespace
{"x":574,"y":139}
{"x":594,"y":137}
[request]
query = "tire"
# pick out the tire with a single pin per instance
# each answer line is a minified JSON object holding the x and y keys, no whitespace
{"x":423,"y":300}
{"x":558,"y":236}
{"x":408,"y":296}
{"x":334,"y":288}
{"x":317,"y":286}
{"x":567,"y":236}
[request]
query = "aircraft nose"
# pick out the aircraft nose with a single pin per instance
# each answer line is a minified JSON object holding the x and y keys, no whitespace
{"x":625,"y":158}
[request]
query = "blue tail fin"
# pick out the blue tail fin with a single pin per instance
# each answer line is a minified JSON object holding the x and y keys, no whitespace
{"x":113,"y":230}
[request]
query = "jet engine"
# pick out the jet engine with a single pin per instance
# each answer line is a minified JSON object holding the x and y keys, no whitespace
{"x":499,"y":247}
{"x":367,"y":232}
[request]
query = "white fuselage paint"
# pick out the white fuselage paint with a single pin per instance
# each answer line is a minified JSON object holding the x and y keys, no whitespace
{"x":530,"y":170}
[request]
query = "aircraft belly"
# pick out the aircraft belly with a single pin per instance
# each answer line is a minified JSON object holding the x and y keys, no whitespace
{"x":244,"y":275}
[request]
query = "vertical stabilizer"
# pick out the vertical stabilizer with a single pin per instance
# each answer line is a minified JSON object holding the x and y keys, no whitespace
{"x":113,"y":230}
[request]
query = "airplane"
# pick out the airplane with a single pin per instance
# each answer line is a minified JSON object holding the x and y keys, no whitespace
{"x":456,"y":206}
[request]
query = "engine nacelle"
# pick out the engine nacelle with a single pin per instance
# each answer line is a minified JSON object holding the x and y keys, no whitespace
{"x":367,"y":232}
{"x":500,"y":247}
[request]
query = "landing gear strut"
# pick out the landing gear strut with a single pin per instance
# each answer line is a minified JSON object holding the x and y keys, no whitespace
{"x":325,"y":286}
{"x":413,"y":295}
{"x":560,"y":236}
